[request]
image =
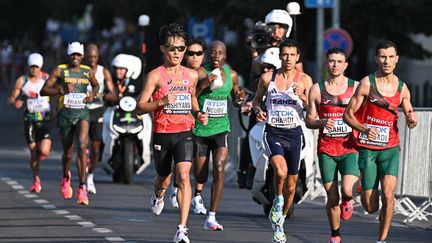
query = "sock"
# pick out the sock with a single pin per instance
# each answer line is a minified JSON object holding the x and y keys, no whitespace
{"x":175,"y":185}
{"x":81,"y":185}
{"x":182,"y":227}
{"x":346,"y":198}
{"x":197,"y":192}
{"x":211,"y":216}
{"x":335,"y":232}
{"x":90,"y":176}
{"x":279,"y":199}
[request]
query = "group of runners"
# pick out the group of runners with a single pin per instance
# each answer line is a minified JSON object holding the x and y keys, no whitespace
{"x":357,"y":124}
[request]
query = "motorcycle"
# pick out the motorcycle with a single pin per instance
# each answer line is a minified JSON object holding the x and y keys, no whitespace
{"x":127,"y":141}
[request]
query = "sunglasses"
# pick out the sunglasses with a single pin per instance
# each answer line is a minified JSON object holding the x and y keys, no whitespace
{"x":172,"y":48}
{"x":192,"y":53}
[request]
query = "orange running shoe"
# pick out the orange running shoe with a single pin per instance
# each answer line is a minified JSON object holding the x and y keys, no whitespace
{"x":66,"y":188}
{"x":82,"y":197}
{"x":36,"y":187}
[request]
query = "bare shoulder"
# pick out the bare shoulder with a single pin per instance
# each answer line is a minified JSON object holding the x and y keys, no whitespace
{"x":233,"y":73}
{"x":304,"y":77}
{"x":153,"y":76}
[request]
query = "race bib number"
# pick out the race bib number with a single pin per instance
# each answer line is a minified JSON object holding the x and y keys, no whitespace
{"x":74,"y":100}
{"x":381,"y":139}
{"x":215,"y":108}
{"x":40,"y":104}
{"x":182,"y":104}
{"x":283,"y":118}
{"x":340,"y":129}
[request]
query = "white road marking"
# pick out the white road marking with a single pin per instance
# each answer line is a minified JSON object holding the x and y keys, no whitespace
{"x":61,"y":212}
{"x":49,"y":206}
{"x":73,"y":217}
{"x":87,"y":224}
{"x":17,"y":187}
{"x":102,"y":230}
{"x":30,"y":196}
{"x":40,"y":201}
{"x":113,"y":239}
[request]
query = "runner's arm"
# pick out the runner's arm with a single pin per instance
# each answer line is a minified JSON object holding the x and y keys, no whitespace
{"x":95,"y":88}
{"x":237,"y":94}
{"x":354,"y":105}
{"x":410,"y":115}
{"x":111,"y":95}
{"x":312,"y":120}
{"x":50,"y":87}
{"x":13,"y":98}
{"x":145,"y":105}
{"x":257,"y":101}
{"x":307,"y":84}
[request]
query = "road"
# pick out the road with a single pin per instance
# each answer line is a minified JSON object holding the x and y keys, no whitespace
{"x":121,"y":213}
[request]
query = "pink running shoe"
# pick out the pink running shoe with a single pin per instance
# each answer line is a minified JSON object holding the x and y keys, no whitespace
{"x":82,"y":197}
{"x":334,"y":239}
{"x":66,"y":188}
{"x":36,"y":187}
{"x":347,"y":209}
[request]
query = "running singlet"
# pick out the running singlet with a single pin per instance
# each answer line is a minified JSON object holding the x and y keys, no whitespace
{"x":37,"y":107}
{"x":176,"y":117}
{"x":97,"y":101}
{"x":382,"y":113}
{"x":215,"y":104}
{"x":336,"y":141}
{"x":284,"y":108}
{"x":72,"y":104}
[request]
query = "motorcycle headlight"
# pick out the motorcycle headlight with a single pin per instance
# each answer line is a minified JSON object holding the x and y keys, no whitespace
{"x":127,"y":103}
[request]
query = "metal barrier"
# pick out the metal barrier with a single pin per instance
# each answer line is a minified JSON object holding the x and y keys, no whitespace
{"x":415,"y":165}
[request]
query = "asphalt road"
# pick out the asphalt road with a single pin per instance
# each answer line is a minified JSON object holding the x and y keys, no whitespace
{"x":121,"y":213}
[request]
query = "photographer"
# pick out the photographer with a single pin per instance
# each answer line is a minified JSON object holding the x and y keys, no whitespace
{"x":275,"y":29}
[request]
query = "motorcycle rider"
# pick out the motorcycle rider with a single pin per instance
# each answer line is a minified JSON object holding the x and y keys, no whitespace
{"x":126,"y":70}
{"x":287,"y":93}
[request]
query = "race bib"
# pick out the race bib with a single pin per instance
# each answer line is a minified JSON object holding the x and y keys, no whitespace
{"x":215,"y":108}
{"x":74,"y":100}
{"x":380,"y":140}
{"x":340,"y":129}
{"x":182,"y":104}
{"x":282,"y":117}
{"x":40,"y":104}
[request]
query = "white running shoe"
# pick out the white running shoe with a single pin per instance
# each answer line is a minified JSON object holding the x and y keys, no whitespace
{"x":157,"y":205}
{"x":173,"y":197}
{"x":213,"y":225}
{"x":90,"y":184}
{"x":198,"y":205}
{"x":181,"y":235}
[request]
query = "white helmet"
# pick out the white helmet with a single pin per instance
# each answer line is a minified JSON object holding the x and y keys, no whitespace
{"x":130,"y":62}
{"x":279,"y":16}
{"x":270,"y":56}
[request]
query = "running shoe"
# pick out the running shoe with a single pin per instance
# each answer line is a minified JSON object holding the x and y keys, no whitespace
{"x":275,"y":214}
{"x":157,"y":205}
{"x":82,"y":197}
{"x":36,"y":187}
{"x":173,"y":197}
{"x":90,"y":184}
{"x":213,"y":225}
{"x":347,"y":209}
{"x":198,"y":205}
{"x":279,"y":235}
{"x":334,"y":239}
{"x":181,"y":235}
{"x":66,"y":188}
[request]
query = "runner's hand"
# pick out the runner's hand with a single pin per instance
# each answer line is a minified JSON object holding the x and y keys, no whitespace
{"x":298,"y":90}
{"x":168,"y":99}
{"x":411,"y":119}
{"x":209,"y":80}
{"x":261,"y":116}
{"x":371,"y":133}
{"x":202,"y":117}
{"x":329,"y":124}
{"x":240,"y":96}
{"x":18,"y":103}
{"x":88,"y":99}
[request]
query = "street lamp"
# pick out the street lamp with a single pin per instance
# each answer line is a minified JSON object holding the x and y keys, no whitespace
{"x":293,"y":9}
{"x":143,"y":21}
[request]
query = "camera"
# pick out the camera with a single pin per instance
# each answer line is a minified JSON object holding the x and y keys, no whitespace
{"x":261,"y":36}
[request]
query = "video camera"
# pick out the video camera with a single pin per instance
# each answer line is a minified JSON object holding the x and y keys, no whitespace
{"x":261,"y":36}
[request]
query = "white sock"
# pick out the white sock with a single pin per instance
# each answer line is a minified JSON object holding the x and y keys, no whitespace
{"x":182,"y":227}
{"x":211,"y":216}
{"x":90,"y":176}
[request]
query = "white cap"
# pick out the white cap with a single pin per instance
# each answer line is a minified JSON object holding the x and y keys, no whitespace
{"x":75,"y":47}
{"x":35,"y":59}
